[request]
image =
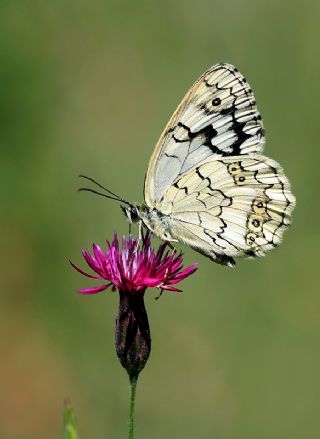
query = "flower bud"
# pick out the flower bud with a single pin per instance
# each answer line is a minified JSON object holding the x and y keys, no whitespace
{"x":132,"y":335}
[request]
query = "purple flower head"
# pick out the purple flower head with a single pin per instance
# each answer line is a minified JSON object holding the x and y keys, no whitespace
{"x":132,"y":269}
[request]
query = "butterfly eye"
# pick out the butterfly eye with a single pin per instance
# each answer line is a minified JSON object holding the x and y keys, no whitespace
{"x":131,"y":213}
{"x":216,"y":102}
{"x":134,"y":215}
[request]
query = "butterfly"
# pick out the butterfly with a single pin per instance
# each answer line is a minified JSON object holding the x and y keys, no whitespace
{"x":208,"y":185}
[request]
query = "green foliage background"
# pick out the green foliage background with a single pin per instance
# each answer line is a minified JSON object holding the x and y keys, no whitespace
{"x":87,"y":87}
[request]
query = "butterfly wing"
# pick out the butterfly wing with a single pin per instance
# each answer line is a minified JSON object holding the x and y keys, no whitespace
{"x":234,"y":206}
{"x":218,"y":117}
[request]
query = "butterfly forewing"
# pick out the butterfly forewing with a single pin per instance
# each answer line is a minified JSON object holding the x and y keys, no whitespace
{"x":217,"y":118}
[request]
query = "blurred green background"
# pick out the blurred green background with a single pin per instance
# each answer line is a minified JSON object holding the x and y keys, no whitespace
{"x":87,"y":87}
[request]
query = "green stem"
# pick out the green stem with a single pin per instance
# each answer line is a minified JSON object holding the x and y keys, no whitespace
{"x":133,"y":385}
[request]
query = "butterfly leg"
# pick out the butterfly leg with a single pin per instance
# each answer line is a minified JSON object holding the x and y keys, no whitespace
{"x":140,"y":232}
{"x":160,"y":294}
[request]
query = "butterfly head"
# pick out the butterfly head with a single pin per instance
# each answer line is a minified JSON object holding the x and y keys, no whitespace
{"x":131,"y":212}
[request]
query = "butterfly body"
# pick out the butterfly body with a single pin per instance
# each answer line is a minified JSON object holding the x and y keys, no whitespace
{"x":153,"y":219}
{"x":208,"y":185}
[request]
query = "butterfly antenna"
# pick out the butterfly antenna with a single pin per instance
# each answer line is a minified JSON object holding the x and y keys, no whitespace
{"x":86,"y":189}
{"x":100,"y":185}
{"x":113,"y":195}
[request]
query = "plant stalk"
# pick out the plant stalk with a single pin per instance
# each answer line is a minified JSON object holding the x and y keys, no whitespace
{"x":133,"y":385}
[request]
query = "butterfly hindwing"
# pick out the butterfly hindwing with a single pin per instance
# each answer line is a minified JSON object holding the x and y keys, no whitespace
{"x":233,"y":206}
{"x":217,"y":118}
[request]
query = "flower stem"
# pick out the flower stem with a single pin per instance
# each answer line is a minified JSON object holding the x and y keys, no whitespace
{"x":133,"y":385}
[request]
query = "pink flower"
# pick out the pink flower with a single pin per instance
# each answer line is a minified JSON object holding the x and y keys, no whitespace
{"x":133,"y":269}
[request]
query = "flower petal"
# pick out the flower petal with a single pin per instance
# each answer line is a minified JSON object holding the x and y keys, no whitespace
{"x":94,"y":290}
{"x":178,"y":277}
{"x":152,"y":281}
{"x":83,"y":272}
{"x":168,"y":288}
{"x":91,"y":261}
{"x":98,"y":253}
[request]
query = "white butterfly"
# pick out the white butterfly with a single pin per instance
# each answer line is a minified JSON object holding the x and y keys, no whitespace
{"x":208,"y":184}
